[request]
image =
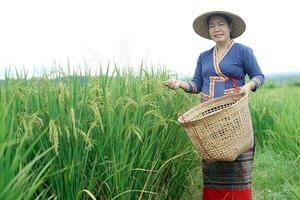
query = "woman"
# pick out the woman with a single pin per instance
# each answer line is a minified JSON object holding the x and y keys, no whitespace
{"x":219,"y":71}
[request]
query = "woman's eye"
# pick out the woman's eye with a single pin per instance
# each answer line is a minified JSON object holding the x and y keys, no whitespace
{"x":211,"y":26}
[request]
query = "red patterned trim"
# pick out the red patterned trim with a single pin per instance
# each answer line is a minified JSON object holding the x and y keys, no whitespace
{"x":221,"y":76}
{"x":256,"y":80}
{"x":231,"y":90}
{"x":217,"y":61}
{"x":211,"y":91}
{"x":212,"y":81}
{"x":194,"y":88}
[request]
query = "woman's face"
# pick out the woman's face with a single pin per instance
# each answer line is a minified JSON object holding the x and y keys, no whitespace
{"x":219,"y":29}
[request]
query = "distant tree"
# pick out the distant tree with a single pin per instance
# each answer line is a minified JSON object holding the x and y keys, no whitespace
{"x":295,"y":83}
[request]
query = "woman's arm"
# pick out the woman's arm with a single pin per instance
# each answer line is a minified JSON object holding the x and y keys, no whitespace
{"x":195,"y":86}
{"x":253,"y":70}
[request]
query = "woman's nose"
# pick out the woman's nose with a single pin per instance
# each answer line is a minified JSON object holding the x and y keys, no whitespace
{"x":217,"y":28}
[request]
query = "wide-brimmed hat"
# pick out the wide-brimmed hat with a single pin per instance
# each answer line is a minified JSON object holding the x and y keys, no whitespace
{"x":201,"y":27}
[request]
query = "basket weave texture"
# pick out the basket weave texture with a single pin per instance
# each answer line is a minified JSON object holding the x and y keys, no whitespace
{"x":220,"y":129}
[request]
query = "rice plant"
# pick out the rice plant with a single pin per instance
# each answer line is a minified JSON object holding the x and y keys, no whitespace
{"x":275,"y":114}
{"x":72,"y":135}
{"x":112,"y":136}
{"x":23,"y":164}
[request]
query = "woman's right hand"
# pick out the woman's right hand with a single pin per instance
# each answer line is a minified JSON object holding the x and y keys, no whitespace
{"x":172,"y":84}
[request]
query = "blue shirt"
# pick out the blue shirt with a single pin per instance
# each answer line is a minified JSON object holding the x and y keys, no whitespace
{"x":215,"y":77}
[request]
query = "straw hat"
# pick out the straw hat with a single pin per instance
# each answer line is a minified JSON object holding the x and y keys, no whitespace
{"x":201,"y":28}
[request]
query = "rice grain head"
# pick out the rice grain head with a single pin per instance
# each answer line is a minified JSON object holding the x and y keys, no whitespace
{"x":53,"y":135}
{"x":73,"y":121}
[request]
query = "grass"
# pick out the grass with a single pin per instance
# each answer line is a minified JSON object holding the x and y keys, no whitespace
{"x":116,"y":136}
{"x":275,"y":114}
{"x":271,"y":174}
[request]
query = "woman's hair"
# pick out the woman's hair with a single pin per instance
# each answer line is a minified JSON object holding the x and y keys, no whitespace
{"x":227,"y":19}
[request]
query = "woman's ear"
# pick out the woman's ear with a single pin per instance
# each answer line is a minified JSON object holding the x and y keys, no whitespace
{"x":230,"y":27}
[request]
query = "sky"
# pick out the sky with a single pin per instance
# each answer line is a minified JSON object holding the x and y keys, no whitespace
{"x":42,"y":34}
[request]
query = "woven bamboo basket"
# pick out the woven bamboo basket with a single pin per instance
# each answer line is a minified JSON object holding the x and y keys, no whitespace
{"x":220,"y":129}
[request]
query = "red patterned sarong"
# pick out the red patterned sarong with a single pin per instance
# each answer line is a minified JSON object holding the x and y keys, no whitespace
{"x":218,"y":194}
{"x":228,"y":180}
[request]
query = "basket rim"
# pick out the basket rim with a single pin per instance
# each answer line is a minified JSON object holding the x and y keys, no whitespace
{"x":243,"y":96}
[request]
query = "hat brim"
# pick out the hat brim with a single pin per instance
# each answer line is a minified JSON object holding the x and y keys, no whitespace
{"x":201,"y":28}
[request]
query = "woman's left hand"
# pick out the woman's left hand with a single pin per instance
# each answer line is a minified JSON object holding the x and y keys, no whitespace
{"x":247,"y":88}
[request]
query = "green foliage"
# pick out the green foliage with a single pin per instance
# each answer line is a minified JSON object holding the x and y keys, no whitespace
{"x":270,"y":84}
{"x":23,"y":167}
{"x":295,"y":83}
{"x":110,"y":137}
{"x":275,"y":176}
{"x":116,"y":136}
{"x":275,"y":115}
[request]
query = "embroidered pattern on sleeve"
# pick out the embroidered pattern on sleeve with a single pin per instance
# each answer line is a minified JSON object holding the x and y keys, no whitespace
{"x":256,"y":81}
{"x":193,"y":87}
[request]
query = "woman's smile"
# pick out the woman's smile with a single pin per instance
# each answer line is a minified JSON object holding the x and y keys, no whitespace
{"x":218,"y":35}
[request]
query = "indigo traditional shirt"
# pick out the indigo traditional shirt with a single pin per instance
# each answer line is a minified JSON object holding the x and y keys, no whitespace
{"x":215,"y":77}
